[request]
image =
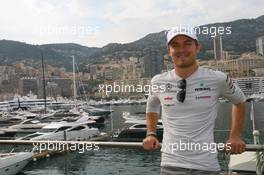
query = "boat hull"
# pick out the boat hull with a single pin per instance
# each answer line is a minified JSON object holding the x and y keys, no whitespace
{"x":13,"y":164}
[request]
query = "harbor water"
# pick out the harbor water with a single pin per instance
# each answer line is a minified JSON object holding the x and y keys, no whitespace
{"x":123,"y":161}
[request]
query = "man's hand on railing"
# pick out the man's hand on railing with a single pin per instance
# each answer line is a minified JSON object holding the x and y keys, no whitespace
{"x":151,"y":143}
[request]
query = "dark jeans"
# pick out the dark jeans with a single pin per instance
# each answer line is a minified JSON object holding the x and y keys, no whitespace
{"x":185,"y":171}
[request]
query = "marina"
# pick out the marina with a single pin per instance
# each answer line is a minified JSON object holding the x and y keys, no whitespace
{"x":144,"y":87}
{"x":118,"y":156}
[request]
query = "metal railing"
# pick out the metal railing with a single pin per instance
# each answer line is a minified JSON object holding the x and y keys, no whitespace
{"x":249,"y":147}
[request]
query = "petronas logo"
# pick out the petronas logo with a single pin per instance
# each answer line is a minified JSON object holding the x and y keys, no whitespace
{"x":202,"y":83}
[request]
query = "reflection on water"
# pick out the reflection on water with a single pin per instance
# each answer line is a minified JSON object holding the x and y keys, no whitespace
{"x":131,"y":161}
{"x":106,"y":161}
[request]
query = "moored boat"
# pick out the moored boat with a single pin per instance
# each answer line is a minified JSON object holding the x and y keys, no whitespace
{"x":12,"y":163}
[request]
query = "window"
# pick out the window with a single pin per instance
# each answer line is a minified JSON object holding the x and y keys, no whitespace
{"x":62,"y":128}
{"x":77,"y":128}
{"x":140,"y":126}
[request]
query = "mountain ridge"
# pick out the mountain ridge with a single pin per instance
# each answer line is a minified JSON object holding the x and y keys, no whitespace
{"x":242,"y":39}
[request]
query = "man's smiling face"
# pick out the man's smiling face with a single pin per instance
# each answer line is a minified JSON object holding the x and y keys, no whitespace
{"x":183,"y":51}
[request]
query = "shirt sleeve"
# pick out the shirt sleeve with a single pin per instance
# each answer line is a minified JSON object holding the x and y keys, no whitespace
{"x":230,"y":90}
{"x":153,"y":102}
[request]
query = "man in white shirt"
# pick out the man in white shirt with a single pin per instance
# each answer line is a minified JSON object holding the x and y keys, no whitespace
{"x":189,"y":104}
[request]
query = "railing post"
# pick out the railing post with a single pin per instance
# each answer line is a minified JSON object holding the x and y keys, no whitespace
{"x":64,"y":136}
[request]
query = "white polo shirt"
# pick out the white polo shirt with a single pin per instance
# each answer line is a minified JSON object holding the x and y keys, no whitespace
{"x":188,"y":139}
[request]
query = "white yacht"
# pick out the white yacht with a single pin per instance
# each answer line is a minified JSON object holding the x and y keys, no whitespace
{"x":137,"y":132}
{"x":12,"y":163}
{"x":243,"y":163}
{"x":23,"y":114}
{"x":86,"y":116}
{"x":29,"y":124}
{"x":82,"y":131}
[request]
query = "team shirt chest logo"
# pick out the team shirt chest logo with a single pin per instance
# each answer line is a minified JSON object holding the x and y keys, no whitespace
{"x":202,"y":87}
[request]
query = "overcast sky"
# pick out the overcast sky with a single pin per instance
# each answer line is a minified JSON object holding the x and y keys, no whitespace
{"x":99,"y":22}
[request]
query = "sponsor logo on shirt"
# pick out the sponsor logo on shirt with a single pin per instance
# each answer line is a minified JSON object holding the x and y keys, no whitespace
{"x":230,"y":84}
{"x":169,"y":104}
{"x":202,"y":86}
{"x":203,"y":97}
{"x":203,"y":89}
{"x":168,"y":86}
{"x":233,"y":90}
{"x":168,"y":98}
{"x":202,"y":83}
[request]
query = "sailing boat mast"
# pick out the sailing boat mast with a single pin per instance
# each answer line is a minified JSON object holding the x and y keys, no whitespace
{"x":74,"y":82}
{"x":44,"y":84}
